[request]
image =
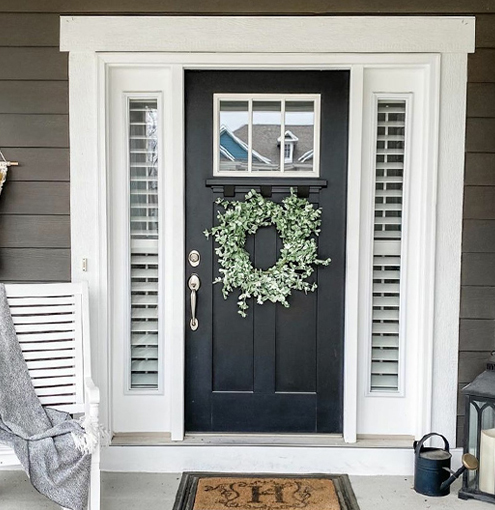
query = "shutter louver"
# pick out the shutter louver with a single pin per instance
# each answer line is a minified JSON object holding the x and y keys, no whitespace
{"x":144,"y":240}
{"x":389,"y":178}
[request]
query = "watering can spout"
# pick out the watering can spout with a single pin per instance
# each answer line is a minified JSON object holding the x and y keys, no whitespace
{"x":469,"y":462}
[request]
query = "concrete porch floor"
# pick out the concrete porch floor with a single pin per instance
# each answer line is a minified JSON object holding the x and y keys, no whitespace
{"x":136,"y":491}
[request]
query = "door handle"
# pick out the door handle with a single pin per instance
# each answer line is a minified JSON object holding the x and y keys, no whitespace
{"x":194,"y":283}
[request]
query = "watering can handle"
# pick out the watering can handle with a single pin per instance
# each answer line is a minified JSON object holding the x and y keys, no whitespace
{"x":417,"y":445}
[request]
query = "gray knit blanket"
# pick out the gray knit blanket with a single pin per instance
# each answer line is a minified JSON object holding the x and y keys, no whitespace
{"x":41,"y":438}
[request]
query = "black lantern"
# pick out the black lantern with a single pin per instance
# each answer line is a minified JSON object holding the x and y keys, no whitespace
{"x":479,"y":436}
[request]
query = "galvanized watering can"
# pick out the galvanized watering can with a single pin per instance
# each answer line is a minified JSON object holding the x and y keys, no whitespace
{"x":432,"y":473}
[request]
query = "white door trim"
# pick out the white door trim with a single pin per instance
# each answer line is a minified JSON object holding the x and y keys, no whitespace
{"x":87,"y":71}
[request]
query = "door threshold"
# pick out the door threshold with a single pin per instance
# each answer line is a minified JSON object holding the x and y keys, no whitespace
{"x":235,"y":439}
{"x":141,"y":439}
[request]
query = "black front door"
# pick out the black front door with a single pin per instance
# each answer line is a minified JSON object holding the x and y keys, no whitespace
{"x":279,"y":369}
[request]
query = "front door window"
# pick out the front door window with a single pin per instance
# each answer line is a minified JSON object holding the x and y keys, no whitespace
{"x":274,"y":135}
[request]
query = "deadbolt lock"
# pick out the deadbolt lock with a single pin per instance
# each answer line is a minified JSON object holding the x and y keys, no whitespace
{"x":194,"y":258}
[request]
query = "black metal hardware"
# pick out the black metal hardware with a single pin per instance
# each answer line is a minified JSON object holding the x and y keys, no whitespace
{"x":303,"y":191}
{"x":229,"y":191}
{"x":229,"y":186}
{"x":266,"y":191}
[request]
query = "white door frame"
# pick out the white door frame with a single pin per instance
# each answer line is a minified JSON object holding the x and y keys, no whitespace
{"x":355,"y":40}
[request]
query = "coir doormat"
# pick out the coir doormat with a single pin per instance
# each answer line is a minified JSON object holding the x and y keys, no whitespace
{"x":214,"y":491}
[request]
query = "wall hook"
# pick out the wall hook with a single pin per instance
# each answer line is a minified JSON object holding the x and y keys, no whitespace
{"x":8,"y":163}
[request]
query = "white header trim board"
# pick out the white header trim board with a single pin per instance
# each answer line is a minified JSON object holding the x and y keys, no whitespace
{"x":270,"y":34}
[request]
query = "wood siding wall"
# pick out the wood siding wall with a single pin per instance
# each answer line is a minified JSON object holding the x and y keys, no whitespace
{"x":477,"y":324}
{"x":34,"y":108}
{"x":34,"y":208}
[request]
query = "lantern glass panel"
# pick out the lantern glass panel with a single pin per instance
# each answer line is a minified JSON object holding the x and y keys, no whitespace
{"x":486,"y":474}
{"x":474,"y":409}
{"x":488,"y":416}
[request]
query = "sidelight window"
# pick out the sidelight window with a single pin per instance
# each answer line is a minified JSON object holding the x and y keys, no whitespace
{"x":397,"y":118}
{"x":387,"y":242}
{"x":144,"y":208}
{"x":137,"y":156}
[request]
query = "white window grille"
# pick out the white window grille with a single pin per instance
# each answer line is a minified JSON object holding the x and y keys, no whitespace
{"x":144,"y":210}
{"x":389,"y":180}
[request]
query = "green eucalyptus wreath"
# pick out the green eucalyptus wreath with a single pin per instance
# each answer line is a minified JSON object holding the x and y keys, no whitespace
{"x":296,"y":221}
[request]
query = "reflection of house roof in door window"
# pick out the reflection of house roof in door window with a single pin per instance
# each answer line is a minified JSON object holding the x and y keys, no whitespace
{"x":289,"y":137}
{"x":232,"y":148}
{"x":266,"y":139}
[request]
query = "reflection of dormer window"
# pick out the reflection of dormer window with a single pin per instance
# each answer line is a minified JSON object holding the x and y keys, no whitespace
{"x":288,"y":151}
{"x":289,"y":143}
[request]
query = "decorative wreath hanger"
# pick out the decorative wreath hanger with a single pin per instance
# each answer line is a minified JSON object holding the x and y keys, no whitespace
{"x":4,"y":166}
{"x":297,"y":223}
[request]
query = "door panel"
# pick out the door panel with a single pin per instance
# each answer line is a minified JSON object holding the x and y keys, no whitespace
{"x":279,"y":369}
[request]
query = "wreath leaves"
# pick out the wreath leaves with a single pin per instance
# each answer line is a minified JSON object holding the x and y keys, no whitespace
{"x":296,"y":221}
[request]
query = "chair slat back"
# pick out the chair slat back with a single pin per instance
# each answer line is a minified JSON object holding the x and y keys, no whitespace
{"x":49,"y":325}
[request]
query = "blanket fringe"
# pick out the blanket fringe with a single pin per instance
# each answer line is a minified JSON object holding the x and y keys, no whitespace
{"x":94,"y":435}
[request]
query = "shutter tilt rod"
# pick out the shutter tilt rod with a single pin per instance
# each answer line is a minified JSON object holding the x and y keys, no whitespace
{"x":8,"y":163}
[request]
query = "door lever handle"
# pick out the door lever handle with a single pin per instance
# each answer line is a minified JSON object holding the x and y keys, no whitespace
{"x":194,"y":283}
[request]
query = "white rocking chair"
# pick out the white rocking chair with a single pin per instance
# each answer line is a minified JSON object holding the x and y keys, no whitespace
{"x":52,"y":325}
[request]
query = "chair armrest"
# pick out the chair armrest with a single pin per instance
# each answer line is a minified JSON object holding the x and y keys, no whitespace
{"x":91,"y":392}
{"x":92,"y":424}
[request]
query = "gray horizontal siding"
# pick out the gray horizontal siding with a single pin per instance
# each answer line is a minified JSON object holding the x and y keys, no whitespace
{"x":479,"y":236}
{"x":472,"y":363}
{"x":478,"y":269}
{"x":480,"y":169}
{"x":34,"y":209}
{"x":480,"y":134}
{"x":38,"y":197}
{"x":477,"y":303}
{"x":460,"y":402}
{"x":34,"y":264}
{"x":34,"y":231}
{"x":34,"y":107}
{"x":33,"y":64}
{"x":250,"y":7}
{"x":485,"y":35}
{"x":477,"y":335}
{"x":480,"y":66}
{"x":34,"y":97}
{"x":477,"y":325}
{"x":481,"y":100}
{"x":479,"y":202}
{"x":29,"y":29}
{"x":34,"y":130}
{"x":39,"y":164}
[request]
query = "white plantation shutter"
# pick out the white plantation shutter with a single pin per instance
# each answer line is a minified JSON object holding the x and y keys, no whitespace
{"x":389,"y":178}
{"x":144,"y":209}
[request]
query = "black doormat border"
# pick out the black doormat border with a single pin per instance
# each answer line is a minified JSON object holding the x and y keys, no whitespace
{"x":186,"y":493}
